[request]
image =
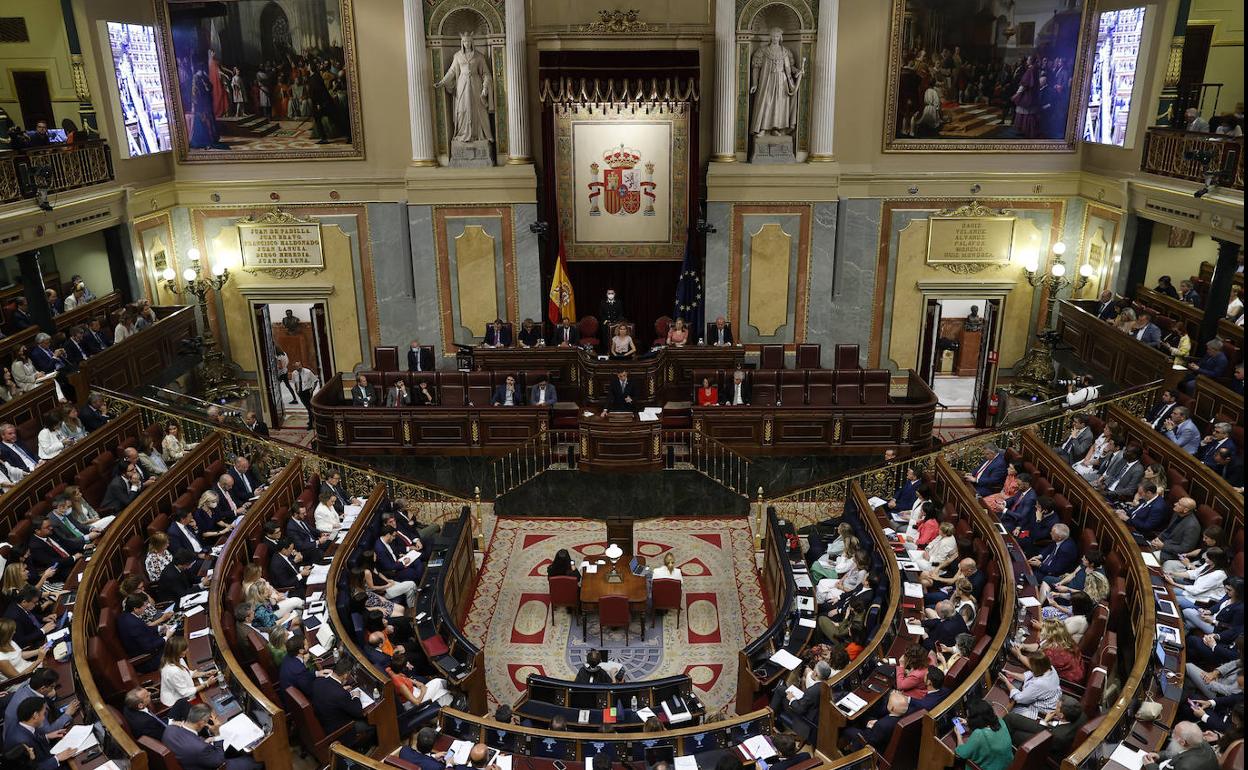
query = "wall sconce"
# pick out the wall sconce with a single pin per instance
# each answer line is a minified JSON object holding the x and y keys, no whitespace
{"x":1055,"y":278}
{"x":219,"y":376}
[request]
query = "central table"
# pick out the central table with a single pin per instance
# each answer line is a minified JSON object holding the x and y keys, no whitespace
{"x":596,"y":585}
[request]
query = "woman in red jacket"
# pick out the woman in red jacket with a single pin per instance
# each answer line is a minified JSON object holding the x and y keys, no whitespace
{"x":708,"y":394}
{"x":912,"y":672}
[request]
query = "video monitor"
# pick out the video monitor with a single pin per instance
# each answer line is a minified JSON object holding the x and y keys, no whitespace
{"x":140,"y":91}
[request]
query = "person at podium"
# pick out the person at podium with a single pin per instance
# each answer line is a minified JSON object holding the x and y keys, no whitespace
{"x":530,"y":334}
{"x":708,"y":394}
{"x":620,"y":394}
{"x":508,"y":394}
{"x":543,"y":393}
{"x":622,"y":343}
{"x":566,"y":335}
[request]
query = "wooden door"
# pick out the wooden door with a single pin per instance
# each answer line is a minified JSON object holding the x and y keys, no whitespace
{"x":34,"y":98}
{"x":927,"y":345}
{"x":271,"y":384}
{"x":320,"y":341}
{"x":986,"y":377}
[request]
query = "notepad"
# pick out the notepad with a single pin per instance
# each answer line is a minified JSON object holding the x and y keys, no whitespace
{"x":806,"y":622}
{"x":851,"y":704}
{"x":876,"y":502}
{"x":1132,"y":759}
{"x":793,"y":692}
{"x":193,"y":600}
{"x":200,"y":633}
{"x":805,"y":604}
{"x":503,"y":761}
{"x":240,"y":733}
{"x":100,"y":524}
{"x":802,"y":581}
{"x":686,"y":763}
{"x":1150,"y":560}
{"x":915,"y":628}
{"x":786,"y":659}
{"x":366,"y":700}
{"x":758,"y":747}
{"x":1028,"y":601}
{"x":914,"y":590}
{"x":79,"y":738}
{"x":582,"y":716}
{"x":459,"y":751}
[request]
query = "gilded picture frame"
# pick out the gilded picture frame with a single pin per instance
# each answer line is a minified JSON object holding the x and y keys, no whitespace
{"x":608,"y":186}
{"x":256,"y":95}
{"x":990,"y":99}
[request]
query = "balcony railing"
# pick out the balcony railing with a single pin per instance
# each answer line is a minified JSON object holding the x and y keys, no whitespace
{"x":69,"y":167}
{"x":1177,"y":154}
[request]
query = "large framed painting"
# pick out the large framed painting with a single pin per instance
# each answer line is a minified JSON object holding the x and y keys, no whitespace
{"x":622,"y":181}
{"x":986,"y":75}
{"x":261,"y":80}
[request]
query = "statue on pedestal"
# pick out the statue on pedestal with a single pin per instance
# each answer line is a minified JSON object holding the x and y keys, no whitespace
{"x":469,"y":79}
{"x":774,"y":82}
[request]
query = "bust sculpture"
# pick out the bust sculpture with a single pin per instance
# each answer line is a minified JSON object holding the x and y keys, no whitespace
{"x":469,"y":80}
{"x":774,"y":82}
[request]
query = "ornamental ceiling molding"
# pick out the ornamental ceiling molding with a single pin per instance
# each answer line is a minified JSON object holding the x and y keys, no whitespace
{"x":618,"y":22}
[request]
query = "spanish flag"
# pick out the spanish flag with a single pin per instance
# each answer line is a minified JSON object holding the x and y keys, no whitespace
{"x":562,"y":304}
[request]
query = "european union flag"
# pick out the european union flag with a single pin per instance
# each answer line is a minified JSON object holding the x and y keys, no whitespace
{"x":689,"y":296}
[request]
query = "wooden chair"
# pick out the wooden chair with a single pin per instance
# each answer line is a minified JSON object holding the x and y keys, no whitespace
{"x":386,"y":358}
{"x":614,"y":612}
{"x":565,"y":591}
{"x":310,"y":732}
{"x":809,"y":355}
{"x":771,"y":357}
{"x":666,"y":594}
{"x":160,"y":755}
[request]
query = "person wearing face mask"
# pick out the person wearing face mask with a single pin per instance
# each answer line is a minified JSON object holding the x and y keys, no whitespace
{"x":610,"y":310}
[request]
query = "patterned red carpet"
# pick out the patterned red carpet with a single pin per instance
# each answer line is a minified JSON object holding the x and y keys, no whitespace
{"x":510,"y":615}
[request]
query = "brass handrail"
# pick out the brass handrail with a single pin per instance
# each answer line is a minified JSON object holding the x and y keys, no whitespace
{"x":437,"y":504}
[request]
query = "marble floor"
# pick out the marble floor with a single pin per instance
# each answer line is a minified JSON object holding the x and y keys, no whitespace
{"x":954,"y":392}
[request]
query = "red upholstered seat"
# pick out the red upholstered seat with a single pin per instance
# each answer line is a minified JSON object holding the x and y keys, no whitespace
{"x":614,"y":612}
{"x":308,"y":727}
{"x":565,"y":591}
{"x":588,"y":327}
{"x":667,"y":594}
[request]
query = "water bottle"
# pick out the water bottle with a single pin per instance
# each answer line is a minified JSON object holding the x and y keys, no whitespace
{"x":634,"y":704}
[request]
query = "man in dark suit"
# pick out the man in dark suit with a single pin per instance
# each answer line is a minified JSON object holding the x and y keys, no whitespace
{"x":566,"y":334}
{"x":1107,"y":306}
{"x":374,"y":653}
{"x":1188,"y":293}
{"x":294,"y":671}
{"x":497,"y":335}
{"x":543,"y":393}
{"x":75,"y":347}
{"x":1147,"y":516}
{"x":333,"y":485}
{"x":508,"y":394}
{"x":95,"y":413}
{"x":943,"y":625}
{"x":419,"y":750}
{"x":44,"y":551}
{"x":1020,"y":506}
{"x":936,"y":691}
{"x":362,"y":393}
{"x":14,"y":452}
{"x":1120,"y":483}
{"x":877,"y":732}
{"x":620,"y":397}
{"x":137,"y":637}
{"x":307,"y":541}
{"x":719,"y":333}
{"x":736,"y":392}
{"x":1229,"y":466}
{"x":1219,"y":437}
{"x":1058,"y":559}
{"x":1213,"y":365}
{"x":419,"y":359}
{"x":1064,"y":721}
{"x":246,"y":485}
{"x":1156,"y":416}
{"x":94,"y":339}
{"x":1079,"y":441}
{"x":31,"y":630}
{"x":335,"y":706}
{"x":122,"y":491}
{"x":786,"y":753}
{"x":184,"y":533}
{"x":228,"y":507}
{"x":196,"y":753}
{"x":794,"y":711}
{"x":1037,"y":531}
{"x":285,"y":572}
{"x":253,"y":423}
{"x":178,"y":578}
{"x":20,"y":319}
{"x":31,"y":715}
{"x":139,"y":718}
{"x":989,"y":477}
{"x":388,"y":558}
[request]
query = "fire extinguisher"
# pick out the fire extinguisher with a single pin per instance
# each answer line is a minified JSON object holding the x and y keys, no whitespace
{"x":994,"y":406}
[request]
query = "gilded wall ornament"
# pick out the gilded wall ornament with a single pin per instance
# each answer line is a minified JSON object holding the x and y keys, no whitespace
{"x":618,"y":22}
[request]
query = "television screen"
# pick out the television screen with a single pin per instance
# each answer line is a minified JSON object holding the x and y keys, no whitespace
{"x":140,"y":91}
{"x":1113,"y":76}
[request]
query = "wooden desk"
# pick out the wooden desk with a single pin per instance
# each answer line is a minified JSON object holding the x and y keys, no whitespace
{"x":620,"y":443}
{"x":595,"y":586}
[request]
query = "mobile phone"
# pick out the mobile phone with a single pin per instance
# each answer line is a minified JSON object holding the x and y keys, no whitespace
{"x":959,"y":724}
{"x":559,"y":765}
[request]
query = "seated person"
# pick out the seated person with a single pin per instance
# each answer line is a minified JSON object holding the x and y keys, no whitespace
{"x":562,"y":565}
{"x":591,"y":672}
{"x":1039,"y":690}
{"x":508,"y":394}
{"x":1035,"y":533}
{"x":543,"y":393}
{"x":720,"y":333}
{"x":787,"y":754}
{"x":1062,"y":723}
{"x":1148,"y":513}
{"x":28,"y":732}
{"x":989,"y":477}
{"x":737,"y":393}
{"x":1058,"y":558}
{"x":196,"y":753}
{"x":878,"y":732}
{"x":137,"y":637}
{"x":708,"y":394}
{"x":497,"y":335}
{"x":1206,"y":584}
{"x":622,"y":343}
{"x":677,"y":334}
{"x":669,"y":570}
{"x":985,"y":740}
{"x":566,"y":334}
{"x":335,"y":706}
{"x":423,"y":395}
{"x":1079,"y":441}
{"x":943,"y":625}
{"x":362,"y":393}
{"x":1219,"y":437}
{"x":419,"y":750}
{"x":530,"y":335}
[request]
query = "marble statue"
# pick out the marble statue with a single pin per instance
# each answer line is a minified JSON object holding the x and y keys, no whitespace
{"x":774,"y":83}
{"x":469,"y":79}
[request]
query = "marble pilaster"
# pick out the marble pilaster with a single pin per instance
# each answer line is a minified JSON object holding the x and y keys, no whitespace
{"x":725,"y":81}
{"x":849,"y":317}
{"x":517,"y":86}
{"x":823,"y":96}
{"x":419,"y":85}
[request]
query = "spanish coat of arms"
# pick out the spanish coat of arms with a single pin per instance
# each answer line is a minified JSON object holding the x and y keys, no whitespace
{"x":621,"y":188}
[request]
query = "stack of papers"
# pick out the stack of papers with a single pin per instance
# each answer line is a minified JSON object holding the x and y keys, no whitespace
{"x":806,"y":622}
{"x":758,"y":747}
{"x":193,"y":600}
{"x":645,"y":713}
{"x":687,"y":763}
{"x":877,"y":502}
{"x":319,"y":574}
{"x":914,"y":590}
{"x":851,"y":704}
{"x":1028,"y":601}
{"x":79,"y":738}
{"x":240,"y":733}
{"x":1132,"y":759}
{"x":786,"y":659}
{"x":1150,"y":560}
{"x":676,"y":717}
{"x":102,"y":523}
{"x":915,"y":628}
{"x":802,"y":580}
{"x":805,"y":604}
{"x":459,"y":752}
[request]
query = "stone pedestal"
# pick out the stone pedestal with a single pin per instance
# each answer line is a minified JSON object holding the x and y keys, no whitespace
{"x":476,"y":154}
{"x":773,"y":149}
